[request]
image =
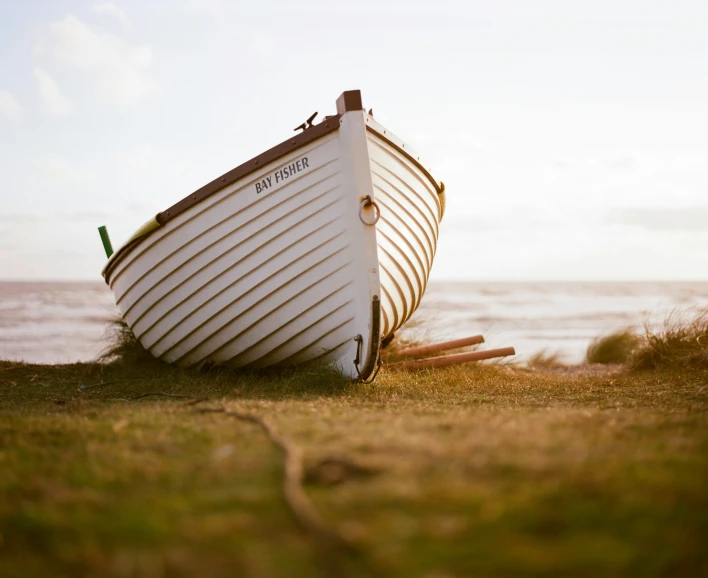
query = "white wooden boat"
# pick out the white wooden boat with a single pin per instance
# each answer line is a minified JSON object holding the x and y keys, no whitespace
{"x":317,"y":249}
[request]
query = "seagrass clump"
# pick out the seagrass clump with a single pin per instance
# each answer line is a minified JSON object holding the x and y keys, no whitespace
{"x":681,"y":341}
{"x":617,"y":347}
{"x":122,"y":346}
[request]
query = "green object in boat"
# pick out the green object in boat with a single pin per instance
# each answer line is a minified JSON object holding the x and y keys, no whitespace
{"x":106,"y":240}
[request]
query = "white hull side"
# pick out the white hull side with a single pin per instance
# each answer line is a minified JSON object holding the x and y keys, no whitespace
{"x":246,"y":279}
{"x":407,"y":232}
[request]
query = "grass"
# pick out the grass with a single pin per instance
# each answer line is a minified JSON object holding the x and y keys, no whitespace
{"x":475,"y":470}
{"x":682,"y":341}
{"x":617,"y":347}
{"x":545,"y":360}
{"x":123,"y":347}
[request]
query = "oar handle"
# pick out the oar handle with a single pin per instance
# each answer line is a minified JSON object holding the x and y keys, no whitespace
{"x":453,"y":359}
{"x":445,"y":346}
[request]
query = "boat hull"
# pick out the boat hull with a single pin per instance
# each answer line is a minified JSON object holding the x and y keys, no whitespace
{"x":285,"y":263}
{"x":407,"y":233}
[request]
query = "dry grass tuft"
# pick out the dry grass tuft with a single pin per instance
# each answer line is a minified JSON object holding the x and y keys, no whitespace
{"x":616,"y":347}
{"x":682,"y":342}
{"x":123,"y":346}
{"x":546,"y":360}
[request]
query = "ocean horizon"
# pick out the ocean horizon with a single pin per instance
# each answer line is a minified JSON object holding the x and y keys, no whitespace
{"x":51,"y":321}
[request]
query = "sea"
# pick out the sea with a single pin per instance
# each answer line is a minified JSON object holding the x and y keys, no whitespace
{"x":67,"y":322}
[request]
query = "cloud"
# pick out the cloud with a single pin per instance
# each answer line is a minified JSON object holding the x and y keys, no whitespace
{"x":117,"y":69}
{"x":9,"y":107}
{"x":622,"y":162}
{"x":60,"y":170}
{"x":561,"y":164}
{"x":55,"y":103}
{"x":85,"y":216}
{"x":461,"y":142}
{"x":262,"y":43}
{"x":113,"y":10}
{"x":92,"y":215}
{"x":20,"y":218}
{"x":683,"y":219}
{"x":137,"y":157}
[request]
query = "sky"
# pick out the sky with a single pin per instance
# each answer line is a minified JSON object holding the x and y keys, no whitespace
{"x":572,"y":136}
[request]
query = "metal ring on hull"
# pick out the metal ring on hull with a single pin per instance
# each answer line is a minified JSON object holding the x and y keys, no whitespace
{"x":367,"y":202}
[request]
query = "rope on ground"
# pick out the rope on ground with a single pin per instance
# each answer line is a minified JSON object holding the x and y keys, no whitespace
{"x":193,"y":400}
{"x":294,"y":493}
{"x":330,"y":542}
{"x":84,"y":387}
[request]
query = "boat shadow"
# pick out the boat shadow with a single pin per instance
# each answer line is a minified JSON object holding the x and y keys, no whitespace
{"x":301,"y":382}
{"x":126,"y":361}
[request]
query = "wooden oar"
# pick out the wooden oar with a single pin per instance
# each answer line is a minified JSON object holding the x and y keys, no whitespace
{"x":445,"y":346}
{"x":452,"y":359}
